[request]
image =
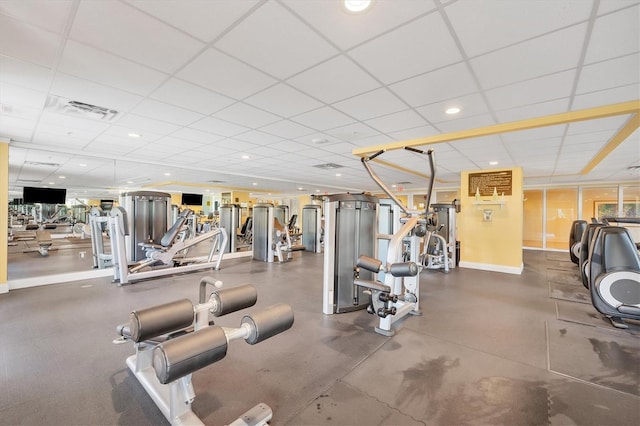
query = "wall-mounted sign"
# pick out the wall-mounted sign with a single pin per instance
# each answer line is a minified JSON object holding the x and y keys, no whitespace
{"x":488,"y":183}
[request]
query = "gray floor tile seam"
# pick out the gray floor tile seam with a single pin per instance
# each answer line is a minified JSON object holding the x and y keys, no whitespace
{"x":604,"y":327}
{"x":480,"y":350}
{"x":386,"y":404}
{"x":339,"y":379}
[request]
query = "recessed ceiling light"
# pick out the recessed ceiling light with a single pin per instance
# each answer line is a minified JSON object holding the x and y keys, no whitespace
{"x":394,"y":185}
{"x":338,"y":174}
{"x":493,"y":163}
{"x":51,"y":183}
{"x":300,"y":188}
{"x":134,"y":135}
{"x":254,"y":183}
{"x":82,"y":165}
{"x":452,"y":110}
{"x":246,"y":157}
{"x":317,"y":190}
{"x":62,"y":177}
{"x":357,"y":6}
{"x":167,"y":174}
{"x":129,"y":181}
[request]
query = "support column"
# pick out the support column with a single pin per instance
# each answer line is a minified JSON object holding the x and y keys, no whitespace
{"x":4,"y":212}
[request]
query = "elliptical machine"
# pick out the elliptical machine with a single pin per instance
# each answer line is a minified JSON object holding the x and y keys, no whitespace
{"x":396,"y":291}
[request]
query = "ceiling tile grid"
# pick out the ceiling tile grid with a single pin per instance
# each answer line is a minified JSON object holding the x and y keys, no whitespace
{"x":293,"y":84}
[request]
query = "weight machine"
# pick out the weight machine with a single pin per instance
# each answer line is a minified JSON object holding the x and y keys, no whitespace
{"x":167,"y":258}
{"x":398,"y":294}
{"x":176,"y":339}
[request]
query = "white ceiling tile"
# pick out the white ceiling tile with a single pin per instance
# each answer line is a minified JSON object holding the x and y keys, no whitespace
{"x":104,"y":68}
{"x":398,"y":121}
{"x":287,"y":129}
{"x":414,"y":133}
{"x":28,"y":43}
{"x":223,"y":74}
{"x":196,"y":135}
{"x":49,"y":15}
{"x":323,"y":118}
{"x":257,"y":137}
{"x":431,"y":47}
{"x":487,"y":25}
{"x":145,"y":124}
{"x":589,"y":126}
{"x":604,"y":75}
{"x":257,"y":41}
{"x":450,"y":82}
{"x":235,"y":146}
{"x":125,"y":31}
{"x":376,"y":139}
{"x":123,"y":133}
{"x":554,"y":52}
{"x":283,"y":100}
{"x":607,"y":6}
{"x":71,"y":124}
{"x":219,"y":127}
{"x":606,"y":97}
{"x":534,"y":110}
{"x":204,"y":20}
{"x":177,"y":143}
{"x":81,"y":90}
{"x":582,"y":138}
{"x":491,"y":143}
{"x":24,"y":74}
{"x":16,"y":96}
{"x":534,"y":91}
{"x":552,"y":134}
{"x":246,"y":115}
{"x":347,"y":29}
{"x":466,"y":123}
{"x":372,"y":104}
{"x":614,"y":35}
{"x":352,"y":132}
{"x":165,"y":112}
{"x":336,"y":79}
{"x":469,"y":105}
{"x":191,"y":97}
{"x":579,"y":148}
{"x":10,"y":123}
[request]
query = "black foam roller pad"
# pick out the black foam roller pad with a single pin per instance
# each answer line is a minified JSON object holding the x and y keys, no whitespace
{"x":404,"y":269}
{"x":188,"y":353}
{"x":268,"y":322}
{"x":369,"y":263}
{"x":151,"y":322}
{"x":234,"y":299}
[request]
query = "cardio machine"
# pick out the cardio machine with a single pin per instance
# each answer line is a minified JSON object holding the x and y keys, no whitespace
{"x":396,"y":292}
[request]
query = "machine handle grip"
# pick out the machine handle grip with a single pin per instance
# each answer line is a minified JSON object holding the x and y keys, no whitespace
{"x":369,"y":263}
{"x":376,"y":154}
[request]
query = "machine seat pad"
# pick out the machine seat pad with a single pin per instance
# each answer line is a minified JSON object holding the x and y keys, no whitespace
{"x":151,"y":245}
{"x":297,"y":248}
{"x":44,"y":237}
{"x":628,"y":281}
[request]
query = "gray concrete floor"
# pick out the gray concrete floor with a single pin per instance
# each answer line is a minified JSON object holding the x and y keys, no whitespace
{"x":490,"y":348}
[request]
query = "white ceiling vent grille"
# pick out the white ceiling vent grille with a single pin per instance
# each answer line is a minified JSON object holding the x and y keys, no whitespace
{"x":328,"y":166}
{"x":40,"y":163}
{"x":79,"y":109}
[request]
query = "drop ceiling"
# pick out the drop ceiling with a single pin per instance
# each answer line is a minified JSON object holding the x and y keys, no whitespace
{"x":295,"y":84}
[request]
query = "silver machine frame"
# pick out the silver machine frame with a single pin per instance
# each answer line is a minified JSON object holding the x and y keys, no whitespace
{"x":97,"y":221}
{"x":312,"y":227}
{"x":271,"y":242}
{"x":350,"y":228}
{"x":148,"y":214}
{"x":230,"y":220}
{"x":398,"y":294}
{"x":174,"y":395}
{"x":174,"y":254}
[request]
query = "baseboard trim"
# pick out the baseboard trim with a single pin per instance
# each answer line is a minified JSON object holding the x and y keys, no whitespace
{"x":494,"y":268}
{"x":58,"y":278}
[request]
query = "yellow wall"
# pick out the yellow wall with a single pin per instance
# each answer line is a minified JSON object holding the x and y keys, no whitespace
{"x":494,"y":245}
{"x":4,"y":212}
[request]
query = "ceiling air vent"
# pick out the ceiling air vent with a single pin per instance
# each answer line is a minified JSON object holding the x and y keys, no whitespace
{"x":633,"y":168}
{"x":405,"y":183}
{"x":328,"y":166}
{"x":215,"y":181}
{"x":29,"y":180}
{"x":79,"y":109}
{"x":40,"y":163}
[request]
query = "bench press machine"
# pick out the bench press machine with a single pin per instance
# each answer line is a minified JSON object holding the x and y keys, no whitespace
{"x":167,"y":258}
{"x":397,"y":294}
{"x":176,"y":339}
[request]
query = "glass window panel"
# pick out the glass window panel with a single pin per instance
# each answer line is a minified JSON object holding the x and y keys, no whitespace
{"x":562,"y":210}
{"x":631,"y":208}
{"x":599,"y":202}
{"x":532,"y":232}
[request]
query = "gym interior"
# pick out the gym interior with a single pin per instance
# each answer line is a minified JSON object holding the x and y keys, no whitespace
{"x":412,"y":212}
